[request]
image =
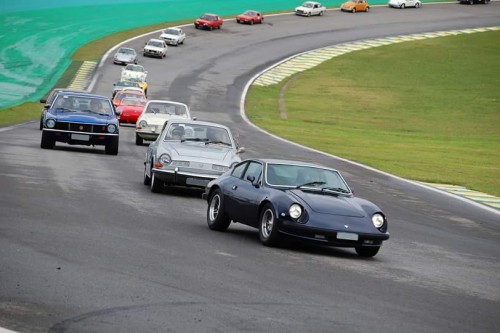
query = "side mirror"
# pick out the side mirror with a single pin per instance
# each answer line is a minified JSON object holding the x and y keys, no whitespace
{"x":43,"y":100}
{"x":46,"y":106}
{"x":251,"y":178}
{"x":240,"y":150}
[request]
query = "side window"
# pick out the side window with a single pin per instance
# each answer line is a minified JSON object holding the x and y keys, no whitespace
{"x":255,"y":170}
{"x":239,"y":169}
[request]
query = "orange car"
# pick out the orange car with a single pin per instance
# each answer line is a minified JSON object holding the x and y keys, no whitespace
{"x":354,"y":6}
{"x":127,"y":93}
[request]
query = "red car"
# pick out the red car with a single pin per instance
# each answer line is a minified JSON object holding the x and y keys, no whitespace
{"x":208,"y":21}
{"x":250,"y":16}
{"x":130,"y":109}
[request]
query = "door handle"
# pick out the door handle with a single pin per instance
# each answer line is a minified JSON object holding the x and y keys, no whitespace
{"x":235,"y":187}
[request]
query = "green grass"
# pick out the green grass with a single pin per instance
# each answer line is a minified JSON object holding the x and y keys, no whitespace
{"x":426,"y":110}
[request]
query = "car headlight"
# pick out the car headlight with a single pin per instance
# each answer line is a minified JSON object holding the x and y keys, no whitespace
{"x":143,"y":124}
{"x":111,"y":128}
{"x":295,"y":211}
{"x":220,"y":168}
{"x":51,"y":123}
{"x":165,"y":159}
{"x":378,"y":220}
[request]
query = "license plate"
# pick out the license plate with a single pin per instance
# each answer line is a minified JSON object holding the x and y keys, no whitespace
{"x":80,"y":137}
{"x":196,"y":181}
{"x":347,"y":235}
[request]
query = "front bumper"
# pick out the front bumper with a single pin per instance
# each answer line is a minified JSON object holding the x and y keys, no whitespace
{"x":330,"y":237}
{"x":190,"y":178}
{"x":81,"y":138}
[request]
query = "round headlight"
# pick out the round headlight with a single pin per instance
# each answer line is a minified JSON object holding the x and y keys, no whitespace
{"x":378,"y":220}
{"x":111,"y":128}
{"x":295,"y":211}
{"x":165,"y":159}
{"x":143,"y":123}
{"x":51,"y":123}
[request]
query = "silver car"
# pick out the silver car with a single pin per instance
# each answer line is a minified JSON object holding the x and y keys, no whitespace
{"x":190,"y":153}
{"x":125,"y":55}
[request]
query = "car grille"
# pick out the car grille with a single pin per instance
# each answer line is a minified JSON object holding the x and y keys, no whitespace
{"x":300,"y":12}
{"x":79,"y":127}
{"x":153,"y":51}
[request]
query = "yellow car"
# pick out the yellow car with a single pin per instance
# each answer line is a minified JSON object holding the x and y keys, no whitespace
{"x":142,"y":84}
{"x":354,"y":6}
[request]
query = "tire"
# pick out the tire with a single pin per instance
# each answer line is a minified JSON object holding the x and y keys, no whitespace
{"x":144,"y":54}
{"x":196,"y":26}
{"x":48,"y":141}
{"x":218,"y":27}
{"x":321,"y":13}
{"x":138,"y":140}
{"x":268,"y":228}
{"x":112,"y":147}
{"x":353,"y":10}
{"x":210,"y":28}
{"x":367,"y":252}
{"x":147,"y":179}
{"x":417,"y":5}
{"x":367,"y":9}
{"x":156,"y":185}
{"x":402,"y":6}
{"x":471,"y":2}
{"x":216,"y":219}
{"x":41,"y":123}
{"x":251,"y":22}
{"x":308,"y":14}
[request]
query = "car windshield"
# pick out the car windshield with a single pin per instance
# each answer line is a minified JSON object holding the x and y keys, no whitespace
{"x":171,"y":32}
{"x":126,"y":51}
{"x":208,"y":134}
{"x":133,"y":100}
{"x":155,"y":43}
{"x":83,"y":104}
{"x":307,"y":5}
{"x":250,"y":13}
{"x":208,"y":17}
{"x":127,"y":84}
{"x":305,"y":177}
{"x":134,"y":68}
{"x":171,"y":109}
{"x":123,"y":94}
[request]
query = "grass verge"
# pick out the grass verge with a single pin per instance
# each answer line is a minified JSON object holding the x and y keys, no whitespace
{"x":425,"y":110}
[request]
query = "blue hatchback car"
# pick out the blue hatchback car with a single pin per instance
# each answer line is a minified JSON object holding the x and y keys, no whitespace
{"x":81,"y":119}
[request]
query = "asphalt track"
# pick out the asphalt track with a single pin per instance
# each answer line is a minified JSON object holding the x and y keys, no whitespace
{"x":87,"y":248}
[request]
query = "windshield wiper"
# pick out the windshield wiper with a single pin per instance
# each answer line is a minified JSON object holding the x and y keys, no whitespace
{"x":99,"y":113}
{"x":64,"y":109}
{"x":218,"y":143}
{"x":310,"y":184}
{"x":335,"y":189}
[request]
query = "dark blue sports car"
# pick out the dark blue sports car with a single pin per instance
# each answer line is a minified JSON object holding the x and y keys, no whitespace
{"x":298,"y":199}
{"x":81,"y":119}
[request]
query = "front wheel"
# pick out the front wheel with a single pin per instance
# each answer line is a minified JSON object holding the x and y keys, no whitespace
{"x":268,"y":226}
{"x":138,"y":140}
{"x":368,"y":9}
{"x":147,"y":179}
{"x":417,"y":5}
{"x":321,"y":13}
{"x":402,"y":6}
{"x":353,"y":10}
{"x":48,"y":140}
{"x":112,"y":147}
{"x":216,"y":218}
{"x":367,"y":252}
{"x":156,"y":184}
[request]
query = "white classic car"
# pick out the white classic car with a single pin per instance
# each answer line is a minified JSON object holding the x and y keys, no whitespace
{"x":310,"y":8}
{"x":155,"y":48}
{"x":404,"y":3}
{"x":132,"y":71}
{"x":154,"y":116}
{"x":190,"y":153}
{"x":173,"y":36}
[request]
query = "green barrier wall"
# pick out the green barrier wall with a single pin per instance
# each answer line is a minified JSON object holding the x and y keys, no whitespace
{"x":37,"y":38}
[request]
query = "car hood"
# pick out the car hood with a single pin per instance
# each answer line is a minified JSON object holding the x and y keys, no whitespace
{"x":330,"y":204}
{"x":131,"y":108}
{"x":82,"y":117}
{"x":170,"y":36}
{"x":155,"y":48}
{"x":158,"y":119}
{"x":199,"y":151}
{"x":243,"y":16}
{"x":125,"y":56}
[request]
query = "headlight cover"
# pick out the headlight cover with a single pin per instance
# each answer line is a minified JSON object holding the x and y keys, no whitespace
{"x":378,"y":220}
{"x":220,"y":168}
{"x":295,"y":211}
{"x":143,"y":124}
{"x":165,"y":159}
{"x":51,"y":123}
{"x":111,"y":128}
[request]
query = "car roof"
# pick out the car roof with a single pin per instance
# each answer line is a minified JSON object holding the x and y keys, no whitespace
{"x":197,"y":122}
{"x":293,"y":162}
{"x":210,"y":14}
{"x":156,"y":40}
{"x":83,"y":94}
{"x":173,"y":28}
{"x":166,"y":101}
